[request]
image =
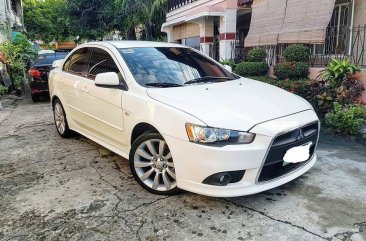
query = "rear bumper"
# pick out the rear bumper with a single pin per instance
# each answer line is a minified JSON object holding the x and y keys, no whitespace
{"x":39,"y":86}
{"x":194,"y":162}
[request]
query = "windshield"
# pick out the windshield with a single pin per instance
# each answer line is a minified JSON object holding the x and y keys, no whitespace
{"x":172,"y":67}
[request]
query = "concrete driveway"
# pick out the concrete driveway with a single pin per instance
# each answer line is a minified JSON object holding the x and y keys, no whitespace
{"x":74,"y":189}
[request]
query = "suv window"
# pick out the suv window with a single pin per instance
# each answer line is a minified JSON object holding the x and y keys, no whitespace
{"x":77,"y":62}
{"x":101,"y":62}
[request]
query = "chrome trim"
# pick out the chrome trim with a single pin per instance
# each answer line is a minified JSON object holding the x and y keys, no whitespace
{"x":270,"y":146}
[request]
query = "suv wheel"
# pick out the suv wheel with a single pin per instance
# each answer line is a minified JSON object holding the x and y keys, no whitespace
{"x":152,"y":164}
{"x":60,"y":119}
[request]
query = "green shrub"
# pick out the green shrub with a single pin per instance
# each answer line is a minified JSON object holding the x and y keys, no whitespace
{"x":229,"y":62}
{"x":3,"y":90}
{"x":297,"y":53}
{"x":346,"y":120}
{"x":17,"y":54}
{"x":257,"y":55}
{"x":291,"y":70}
{"x":337,"y":71}
{"x":252,"y":68}
{"x":324,"y":95}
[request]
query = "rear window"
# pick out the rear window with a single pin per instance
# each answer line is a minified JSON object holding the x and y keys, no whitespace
{"x":47,"y":59}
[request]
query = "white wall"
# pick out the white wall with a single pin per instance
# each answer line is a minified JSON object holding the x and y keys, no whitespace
{"x":8,"y":18}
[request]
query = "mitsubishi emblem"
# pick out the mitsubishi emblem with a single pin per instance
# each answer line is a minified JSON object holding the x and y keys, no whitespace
{"x":301,"y":135}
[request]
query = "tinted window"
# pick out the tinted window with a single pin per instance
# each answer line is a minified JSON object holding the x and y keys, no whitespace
{"x":172,"y":65}
{"x":101,"y":62}
{"x":77,"y":62}
{"x":47,"y":59}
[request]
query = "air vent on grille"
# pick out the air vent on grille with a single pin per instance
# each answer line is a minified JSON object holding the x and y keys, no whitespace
{"x":274,"y":166}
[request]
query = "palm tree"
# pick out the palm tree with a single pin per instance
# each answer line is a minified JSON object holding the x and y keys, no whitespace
{"x":141,"y":12}
{"x":148,"y":13}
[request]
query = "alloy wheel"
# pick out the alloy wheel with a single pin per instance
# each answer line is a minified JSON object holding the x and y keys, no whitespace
{"x":154,"y":165}
{"x":59,"y":118}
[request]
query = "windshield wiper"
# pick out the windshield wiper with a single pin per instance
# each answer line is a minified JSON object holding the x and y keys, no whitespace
{"x":163,"y":84}
{"x":206,"y":79}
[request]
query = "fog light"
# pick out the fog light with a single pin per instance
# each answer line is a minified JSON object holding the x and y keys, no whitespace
{"x":224,"y":178}
{"x":218,"y":179}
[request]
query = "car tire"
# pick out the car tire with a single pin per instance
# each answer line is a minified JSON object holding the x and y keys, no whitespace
{"x":35,"y":97}
{"x":152,"y":165}
{"x":59,"y":117}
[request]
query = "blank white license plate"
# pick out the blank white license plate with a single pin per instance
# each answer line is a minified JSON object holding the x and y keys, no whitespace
{"x":297,"y":154}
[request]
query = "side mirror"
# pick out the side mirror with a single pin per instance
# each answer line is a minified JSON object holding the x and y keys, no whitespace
{"x":107,"y":80}
{"x":228,"y":68}
{"x":57,"y":63}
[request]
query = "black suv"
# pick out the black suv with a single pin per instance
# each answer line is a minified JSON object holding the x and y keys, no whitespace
{"x":39,"y":72}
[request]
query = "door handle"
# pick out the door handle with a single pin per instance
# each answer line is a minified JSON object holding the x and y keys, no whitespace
{"x":60,"y":81}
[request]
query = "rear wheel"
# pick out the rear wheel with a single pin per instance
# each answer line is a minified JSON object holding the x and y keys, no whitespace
{"x":152,"y":164}
{"x":35,"y":98}
{"x":60,"y":119}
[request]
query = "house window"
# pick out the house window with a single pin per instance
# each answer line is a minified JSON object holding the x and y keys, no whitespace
{"x":193,"y":42}
{"x":338,"y":32}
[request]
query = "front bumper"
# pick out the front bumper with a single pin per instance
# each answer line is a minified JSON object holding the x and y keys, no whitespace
{"x":194,"y":162}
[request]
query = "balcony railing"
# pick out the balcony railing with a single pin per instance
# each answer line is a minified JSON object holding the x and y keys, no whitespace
{"x":175,"y":4}
{"x":341,"y":42}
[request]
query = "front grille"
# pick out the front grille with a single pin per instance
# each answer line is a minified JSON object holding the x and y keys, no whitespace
{"x":274,"y":165}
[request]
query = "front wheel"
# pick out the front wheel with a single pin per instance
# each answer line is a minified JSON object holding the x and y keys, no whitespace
{"x":152,"y":164}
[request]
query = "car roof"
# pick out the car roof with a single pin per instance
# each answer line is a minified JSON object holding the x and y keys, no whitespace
{"x":54,"y":54}
{"x":136,"y":44}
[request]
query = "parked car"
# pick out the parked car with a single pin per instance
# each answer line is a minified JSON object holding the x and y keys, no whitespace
{"x":39,"y":72}
{"x":183,"y":120}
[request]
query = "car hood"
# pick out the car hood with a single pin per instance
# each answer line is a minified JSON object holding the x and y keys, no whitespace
{"x":237,"y":105}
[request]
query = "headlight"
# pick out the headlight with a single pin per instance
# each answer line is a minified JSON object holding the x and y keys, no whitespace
{"x":201,"y":134}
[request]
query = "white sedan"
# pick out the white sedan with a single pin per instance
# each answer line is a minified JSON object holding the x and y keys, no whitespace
{"x":183,"y":120}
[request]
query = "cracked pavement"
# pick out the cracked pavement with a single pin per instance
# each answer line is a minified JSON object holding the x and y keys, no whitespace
{"x":74,"y":189}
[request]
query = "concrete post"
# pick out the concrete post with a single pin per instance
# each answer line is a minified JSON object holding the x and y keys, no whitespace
{"x":206,"y":35}
{"x":228,"y":34}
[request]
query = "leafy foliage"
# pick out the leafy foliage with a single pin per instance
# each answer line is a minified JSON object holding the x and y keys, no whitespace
{"x":47,"y":20}
{"x":297,"y":53}
{"x":337,"y":71}
{"x":92,"y":20}
{"x":347,"y":120}
{"x":252,"y":68}
{"x":324,"y":95}
{"x":291,"y":70}
{"x":298,"y":86}
{"x":3,"y":90}
{"x":320,"y":94}
{"x":257,"y":55}
{"x":230,"y":63}
{"x":17,"y":55}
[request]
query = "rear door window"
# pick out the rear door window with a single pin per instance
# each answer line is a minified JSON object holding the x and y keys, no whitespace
{"x":77,"y":62}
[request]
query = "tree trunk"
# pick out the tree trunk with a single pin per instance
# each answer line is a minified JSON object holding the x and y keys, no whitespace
{"x":131,"y":33}
{"x":148,"y":28}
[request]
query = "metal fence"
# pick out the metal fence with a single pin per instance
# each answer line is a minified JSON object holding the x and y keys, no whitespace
{"x":175,"y":4}
{"x":341,"y":42}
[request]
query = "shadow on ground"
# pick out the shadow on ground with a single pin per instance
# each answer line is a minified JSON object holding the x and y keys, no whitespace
{"x":74,"y":189}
